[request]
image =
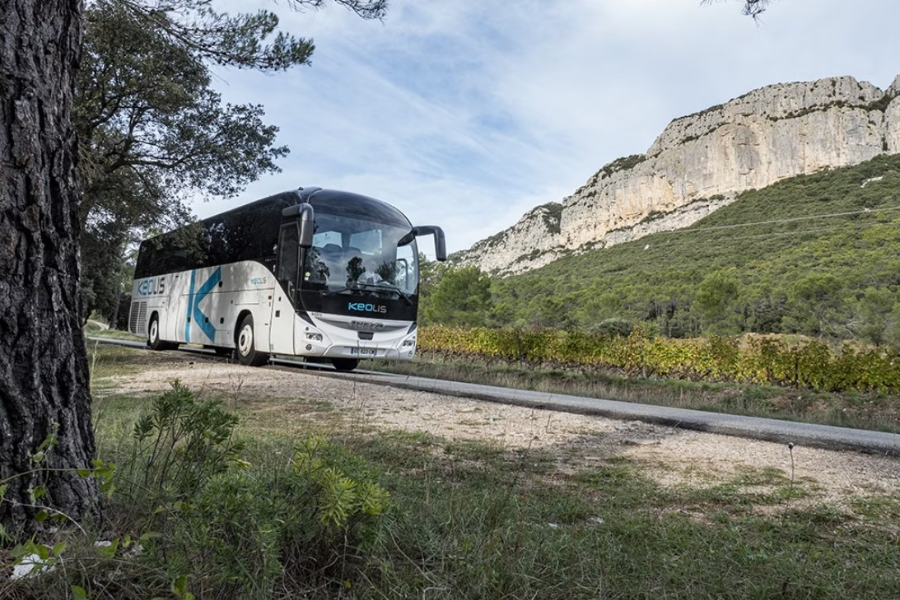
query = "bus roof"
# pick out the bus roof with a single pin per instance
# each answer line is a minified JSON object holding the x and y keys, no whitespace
{"x":345,"y":203}
{"x":333,"y":202}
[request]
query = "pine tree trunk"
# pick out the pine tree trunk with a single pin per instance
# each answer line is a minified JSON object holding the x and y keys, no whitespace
{"x":44,"y":386}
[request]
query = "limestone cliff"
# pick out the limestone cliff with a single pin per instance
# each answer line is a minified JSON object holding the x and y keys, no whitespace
{"x":701,"y":162}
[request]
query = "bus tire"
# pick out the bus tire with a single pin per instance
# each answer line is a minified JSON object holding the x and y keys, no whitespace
{"x":153,"y":340}
{"x":246,"y":345}
{"x":344,"y":364}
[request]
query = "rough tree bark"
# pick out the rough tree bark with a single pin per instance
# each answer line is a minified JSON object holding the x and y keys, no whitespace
{"x":43,"y":360}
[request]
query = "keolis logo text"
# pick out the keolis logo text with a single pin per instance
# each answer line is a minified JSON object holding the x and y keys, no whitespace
{"x":151,"y":287}
{"x":363,"y":307}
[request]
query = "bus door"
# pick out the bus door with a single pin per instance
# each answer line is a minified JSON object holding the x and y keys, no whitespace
{"x":285,"y":294}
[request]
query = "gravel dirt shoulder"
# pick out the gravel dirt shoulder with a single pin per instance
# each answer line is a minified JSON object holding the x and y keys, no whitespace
{"x":287,"y":399}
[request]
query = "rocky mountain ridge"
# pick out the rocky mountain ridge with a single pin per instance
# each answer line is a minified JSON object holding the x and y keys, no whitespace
{"x":700,"y":163}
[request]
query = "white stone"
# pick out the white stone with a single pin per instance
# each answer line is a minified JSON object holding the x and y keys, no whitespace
{"x":870,"y":180}
{"x":29,"y":566}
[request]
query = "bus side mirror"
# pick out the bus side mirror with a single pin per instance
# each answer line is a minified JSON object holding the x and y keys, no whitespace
{"x":307,"y":217}
{"x":307,"y":226}
{"x":440,"y":243}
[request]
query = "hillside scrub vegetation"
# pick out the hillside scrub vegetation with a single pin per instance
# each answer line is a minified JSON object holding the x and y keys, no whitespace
{"x":815,"y":255}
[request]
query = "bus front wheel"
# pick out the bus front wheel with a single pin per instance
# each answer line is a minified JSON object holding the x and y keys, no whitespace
{"x":246,"y":345}
{"x":344,"y":364}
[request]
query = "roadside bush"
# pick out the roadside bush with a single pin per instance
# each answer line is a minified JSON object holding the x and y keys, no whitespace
{"x":226,"y":539}
{"x":249,"y":532}
{"x":179,"y":445}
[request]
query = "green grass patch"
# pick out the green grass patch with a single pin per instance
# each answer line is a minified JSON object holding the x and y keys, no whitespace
{"x":108,"y":361}
{"x":610,"y":532}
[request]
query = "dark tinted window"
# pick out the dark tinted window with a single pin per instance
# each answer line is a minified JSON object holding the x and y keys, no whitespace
{"x":343,"y":204}
{"x":247,"y":233}
{"x":287,"y":261}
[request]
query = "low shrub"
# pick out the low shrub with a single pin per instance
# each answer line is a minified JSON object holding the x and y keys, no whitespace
{"x":192,"y":518}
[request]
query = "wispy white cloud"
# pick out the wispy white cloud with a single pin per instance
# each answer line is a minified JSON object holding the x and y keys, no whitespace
{"x":468,"y":113}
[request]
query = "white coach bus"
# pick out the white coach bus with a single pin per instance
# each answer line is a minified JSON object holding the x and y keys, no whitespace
{"x":311,"y":272}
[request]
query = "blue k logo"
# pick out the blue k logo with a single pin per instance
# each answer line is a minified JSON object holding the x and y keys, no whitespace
{"x":194,"y":313}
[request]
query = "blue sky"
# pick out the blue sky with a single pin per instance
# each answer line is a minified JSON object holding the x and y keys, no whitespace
{"x":468,"y":113}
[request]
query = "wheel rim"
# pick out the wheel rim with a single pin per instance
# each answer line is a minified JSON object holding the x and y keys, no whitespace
{"x":245,"y":340}
{"x":153,"y":331}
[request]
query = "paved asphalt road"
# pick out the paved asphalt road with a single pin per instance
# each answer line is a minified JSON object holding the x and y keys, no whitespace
{"x":774,"y":430}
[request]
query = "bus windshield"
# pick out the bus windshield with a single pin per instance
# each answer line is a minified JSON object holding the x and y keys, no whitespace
{"x":357,"y":254}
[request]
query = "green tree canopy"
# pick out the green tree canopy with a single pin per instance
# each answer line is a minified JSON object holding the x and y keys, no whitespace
{"x":716,"y":297}
{"x":463,"y":297}
{"x":430,"y":275}
{"x":153,"y":132}
{"x":875,"y":317}
{"x":816,"y":300}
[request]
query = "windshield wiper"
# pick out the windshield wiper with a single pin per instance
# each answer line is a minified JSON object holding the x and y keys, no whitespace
{"x":374,"y":287}
{"x":342,"y":290}
{"x":394,"y":288}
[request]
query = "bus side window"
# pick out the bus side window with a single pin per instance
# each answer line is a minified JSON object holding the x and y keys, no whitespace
{"x":287,"y":257}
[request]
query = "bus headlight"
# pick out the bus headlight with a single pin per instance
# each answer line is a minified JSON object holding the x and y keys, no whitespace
{"x":315,"y":337}
{"x":408,"y":342}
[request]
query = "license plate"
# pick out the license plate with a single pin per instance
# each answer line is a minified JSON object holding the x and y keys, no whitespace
{"x":364,"y":351}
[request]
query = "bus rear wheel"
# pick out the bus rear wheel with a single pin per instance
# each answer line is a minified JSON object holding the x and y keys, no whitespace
{"x":246,"y":345}
{"x":153,"y":339}
{"x":344,"y":364}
